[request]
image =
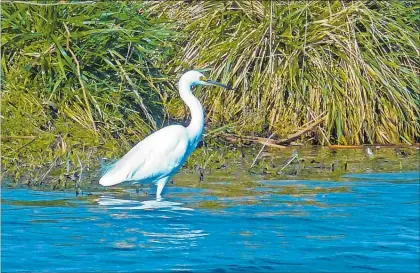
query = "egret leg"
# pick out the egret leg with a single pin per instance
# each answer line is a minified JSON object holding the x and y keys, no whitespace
{"x":160,"y":185}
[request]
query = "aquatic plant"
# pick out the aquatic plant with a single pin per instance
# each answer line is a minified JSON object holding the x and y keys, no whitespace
{"x":354,"y":66}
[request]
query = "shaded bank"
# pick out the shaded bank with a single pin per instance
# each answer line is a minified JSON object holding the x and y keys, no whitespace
{"x":231,"y":172}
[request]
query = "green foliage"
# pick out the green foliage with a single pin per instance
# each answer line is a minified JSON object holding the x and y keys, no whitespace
{"x":82,"y":74}
{"x":96,"y":61}
{"x":82,"y":80}
{"x":293,"y":62}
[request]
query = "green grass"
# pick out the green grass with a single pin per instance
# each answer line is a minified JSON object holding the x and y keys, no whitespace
{"x":293,"y":62}
{"x":84,"y":80}
{"x":79,"y":77}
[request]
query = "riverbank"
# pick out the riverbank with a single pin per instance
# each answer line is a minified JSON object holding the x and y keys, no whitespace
{"x":86,"y":81}
{"x":236,"y":171}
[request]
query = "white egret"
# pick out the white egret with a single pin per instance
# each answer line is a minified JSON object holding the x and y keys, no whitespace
{"x":159,"y":156}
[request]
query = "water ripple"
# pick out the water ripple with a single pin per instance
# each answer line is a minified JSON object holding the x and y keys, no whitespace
{"x":372,"y":226}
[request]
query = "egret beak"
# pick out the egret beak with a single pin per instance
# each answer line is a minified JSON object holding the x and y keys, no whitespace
{"x":214,"y":83}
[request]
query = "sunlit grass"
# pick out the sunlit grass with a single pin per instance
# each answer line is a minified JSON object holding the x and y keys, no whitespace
{"x":89,"y":80}
{"x":77,"y":77}
{"x":293,"y":62}
{"x":96,"y":62}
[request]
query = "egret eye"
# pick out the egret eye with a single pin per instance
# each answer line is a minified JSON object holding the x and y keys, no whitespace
{"x":202,"y":78}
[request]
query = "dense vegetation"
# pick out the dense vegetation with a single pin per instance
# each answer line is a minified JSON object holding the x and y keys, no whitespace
{"x":78,"y":76}
{"x":87,"y":79}
{"x":293,"y":62}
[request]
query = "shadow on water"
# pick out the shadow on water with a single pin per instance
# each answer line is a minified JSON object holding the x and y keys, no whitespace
{"x":362,"y":223}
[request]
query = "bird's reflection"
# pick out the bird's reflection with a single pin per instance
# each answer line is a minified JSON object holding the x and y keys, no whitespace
{"x":166,"y":232}
{"x":116,"y":203}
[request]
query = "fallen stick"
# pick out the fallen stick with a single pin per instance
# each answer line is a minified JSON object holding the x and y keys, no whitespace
{"x":302,"y":131}
{"x":264,"y":141}
{"x":336,"y":147}
{"x":26,"y":144}
{"x":17,"y":137}
{"x":248,"y":138}
{"x":276,"y":143}
{"x":290,"y":161}
{"x":262,"y":148}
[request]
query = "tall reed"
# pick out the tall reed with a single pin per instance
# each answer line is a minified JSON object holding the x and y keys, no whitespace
{"x":293,"y":62}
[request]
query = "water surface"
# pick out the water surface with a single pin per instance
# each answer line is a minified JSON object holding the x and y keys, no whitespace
{"x":371,"y":225}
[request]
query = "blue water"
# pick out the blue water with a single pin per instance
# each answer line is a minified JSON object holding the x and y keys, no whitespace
{"x":372,"y":227}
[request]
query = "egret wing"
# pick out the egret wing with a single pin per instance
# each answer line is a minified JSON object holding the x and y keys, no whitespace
{"x":159,"y":155}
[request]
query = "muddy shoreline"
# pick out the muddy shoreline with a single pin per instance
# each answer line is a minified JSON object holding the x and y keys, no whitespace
{"x":233,"y":172}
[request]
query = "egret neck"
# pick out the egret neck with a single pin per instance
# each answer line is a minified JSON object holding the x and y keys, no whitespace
{"x":196,"y":127}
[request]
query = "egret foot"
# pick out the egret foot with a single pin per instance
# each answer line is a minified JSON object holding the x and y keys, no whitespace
{"x":201,"y":175}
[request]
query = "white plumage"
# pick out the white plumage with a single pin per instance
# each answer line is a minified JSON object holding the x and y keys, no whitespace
{"x":160,"y":155}
{"x":141,"y":161}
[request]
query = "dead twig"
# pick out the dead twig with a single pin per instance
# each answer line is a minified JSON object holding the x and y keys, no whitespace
{"x":336,"y":147}
{"x":262,"y":140}
{"x":275,"y":143}
{"x":290,"y":161}
{"x":16,"y":137}
{"x":262,"y":148}
{"x":26,"y":144}
{"x":53,"y":164}
{"x":302,"y":131}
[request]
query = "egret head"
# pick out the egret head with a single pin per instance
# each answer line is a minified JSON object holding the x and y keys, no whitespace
{"x":194,"y":78}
